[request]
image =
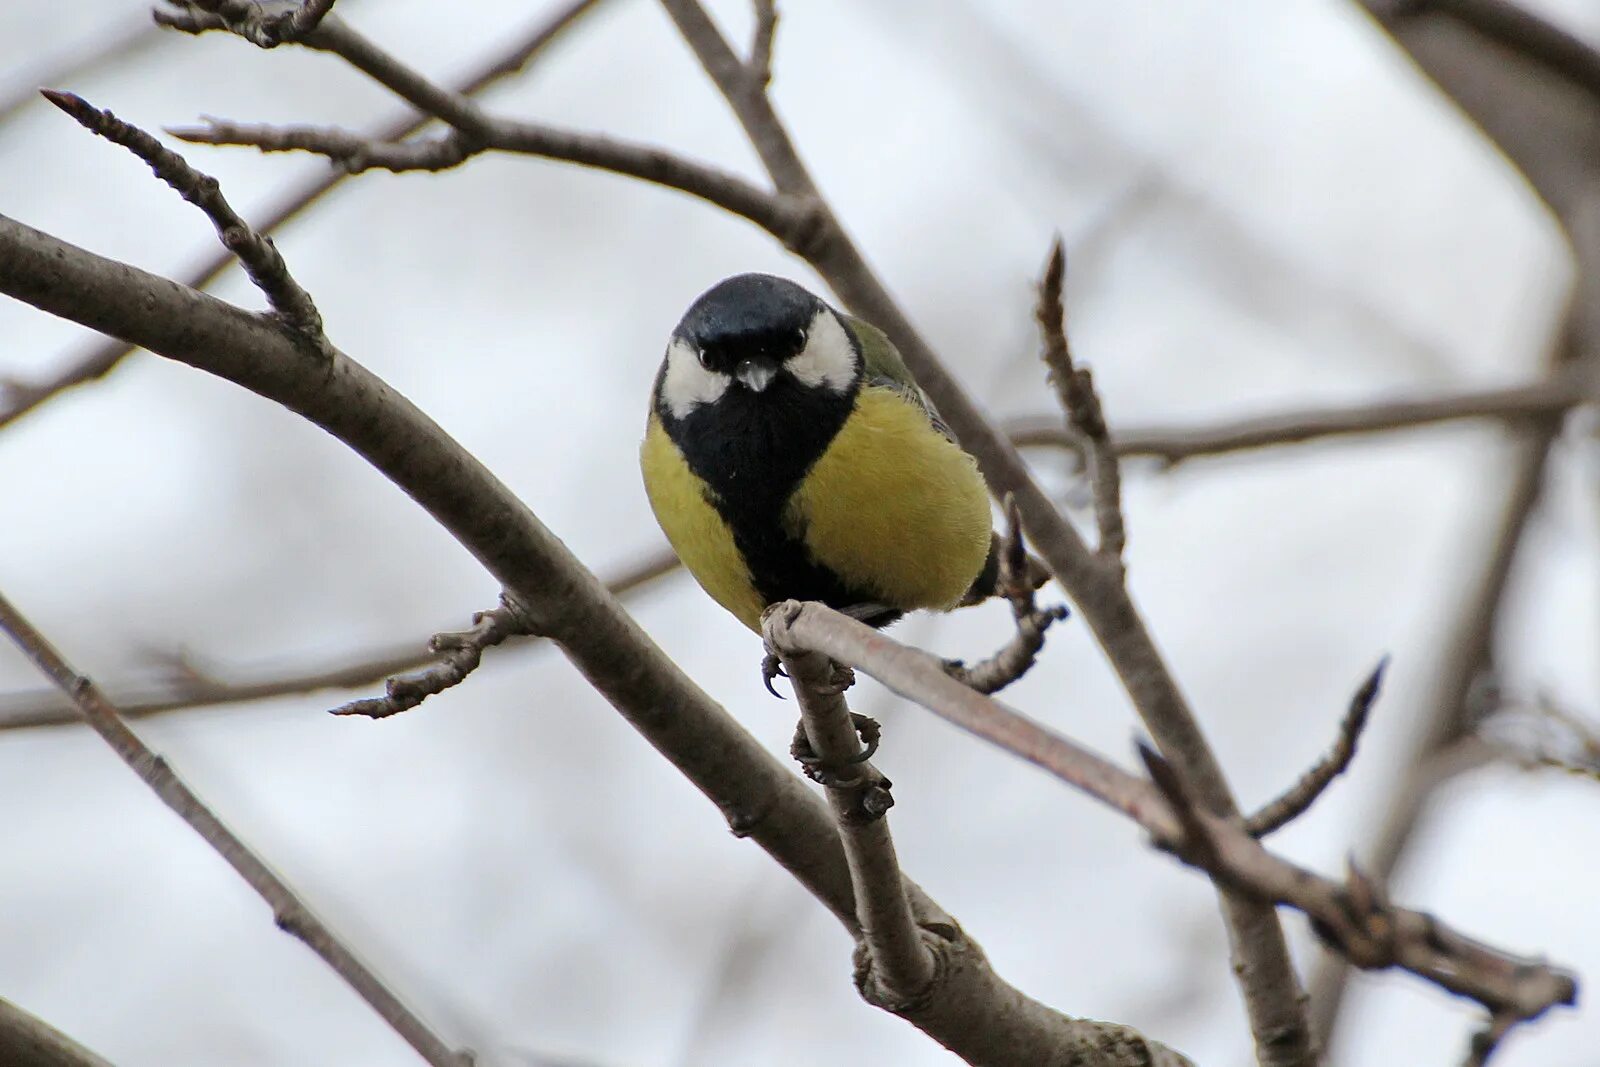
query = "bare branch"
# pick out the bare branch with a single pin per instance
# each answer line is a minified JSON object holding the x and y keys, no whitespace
{"x":1304,"y":793}
{"x":459,"y":655}
{"x":19,"y":398}
{"x":1172,"y":445}
{"x":894,"y":966}
{"x":766,"y":29}
{"x":28,"y":1041}
{"x":970,"y":1010}
{"x":1355,"y":917}
{"x":1076,"y":393}
{"x":247,"y":18}
{"x":290,"y":913}
{"x":779,"y":215}
{"x":257,"y":254}
{"x":200,"y":685}
{"x":1519,"y":29}
{"x":1017,"y":584}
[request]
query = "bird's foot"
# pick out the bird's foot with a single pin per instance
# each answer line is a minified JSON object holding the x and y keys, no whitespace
{"x":818,"y":770}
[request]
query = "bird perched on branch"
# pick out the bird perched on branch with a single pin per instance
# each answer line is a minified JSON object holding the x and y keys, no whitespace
{"x":789,"y":454}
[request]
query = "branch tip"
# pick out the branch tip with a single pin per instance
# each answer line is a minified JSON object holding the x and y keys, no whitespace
{"x":1298,"y":798}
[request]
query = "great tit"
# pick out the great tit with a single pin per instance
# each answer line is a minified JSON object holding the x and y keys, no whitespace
{"x":789,"y":454}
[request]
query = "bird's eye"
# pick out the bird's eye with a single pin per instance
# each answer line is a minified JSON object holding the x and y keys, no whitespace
{"x":704,"y":359}
{"x":800,"y":338}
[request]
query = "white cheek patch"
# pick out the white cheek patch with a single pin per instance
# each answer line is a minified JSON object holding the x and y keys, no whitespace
{"x":829,"y":359}
{"x":687,"y":384}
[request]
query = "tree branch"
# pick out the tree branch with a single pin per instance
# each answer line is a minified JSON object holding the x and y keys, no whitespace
{"x":1526,"y":33}
{"x":1172,"y":445}
{"x":28,"y":1041}
{"x":257,"y":254}
{"x":970,"y":1010}
{"x":198,"y":685}
{"x":893,"y":965}
{"x":288,"y":911}
{"x":1304,"y":793}
{"x":1354,"y":917}
{"x":19,"y":398}
{"x":459,"y":654}
{"x":1080,"y":402}
{"x":247,"y":18}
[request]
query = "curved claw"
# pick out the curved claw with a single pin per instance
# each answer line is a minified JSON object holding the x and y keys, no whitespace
{"x":870,"y":732}
{"x":772,"y":667}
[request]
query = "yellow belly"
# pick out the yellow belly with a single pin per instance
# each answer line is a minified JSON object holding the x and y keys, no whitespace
{"x":894,"y":507}
{"x":695,"y":530}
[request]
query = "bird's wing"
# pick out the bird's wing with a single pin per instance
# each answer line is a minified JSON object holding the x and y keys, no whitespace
{"x":884,"y":368}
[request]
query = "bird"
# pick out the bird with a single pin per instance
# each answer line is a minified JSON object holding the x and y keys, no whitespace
{"x":790,"y":455}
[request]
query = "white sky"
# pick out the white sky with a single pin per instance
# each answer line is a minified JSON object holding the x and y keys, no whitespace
{"x":1264,"y":205}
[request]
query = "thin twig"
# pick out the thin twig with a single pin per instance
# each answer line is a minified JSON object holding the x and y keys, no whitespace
{"x":201,"y":685}
{"x":1016,"y":583}
{"x":1355,"y":917}
{"x":17,"y":398}
{"x":28,"y":1041}
{"x":459,"y":653}
{"x":1304,"y":793}
{"x":1080,"y":402}
{"x":761,"y":38}
{"x":894,"y":966}
{"x":355,"y":153}
{"x":1172,"y":445}
{"x":290,"y":913}
{"x":257,"y":254}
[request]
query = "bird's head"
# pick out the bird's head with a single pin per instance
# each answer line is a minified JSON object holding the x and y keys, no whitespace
{"x":757,"y":334}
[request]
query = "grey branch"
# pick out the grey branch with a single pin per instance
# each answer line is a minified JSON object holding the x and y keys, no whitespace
{"x":19,"y":398}
{"x":28,"y":1041}
{"x":893,"y":966}
{"x":971,"y":1010}
{"x":459,"y":653}
{"x":1174,"y":444}
{"x":766,"y":29}
{"x":1354,"y":916}
{"x":1018,"y":584}
{"x":1304,"y":793}
{"x":1517,"y":28}
{"x":257,"y":254}
{"x":199,"y":684}
{"x":1080,"y":402}
{"x":1277,"y":1012}
{"x":290,"y":913}
{"x":247,"y":18}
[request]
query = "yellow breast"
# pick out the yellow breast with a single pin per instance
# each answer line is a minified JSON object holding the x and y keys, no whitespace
{"x":894,"y":507}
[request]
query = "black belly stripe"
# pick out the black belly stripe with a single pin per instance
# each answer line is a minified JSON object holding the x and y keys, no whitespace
{"x":752,"y":451}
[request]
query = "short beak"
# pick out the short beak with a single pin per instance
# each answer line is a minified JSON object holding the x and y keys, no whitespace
{"x":755,"y":374}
